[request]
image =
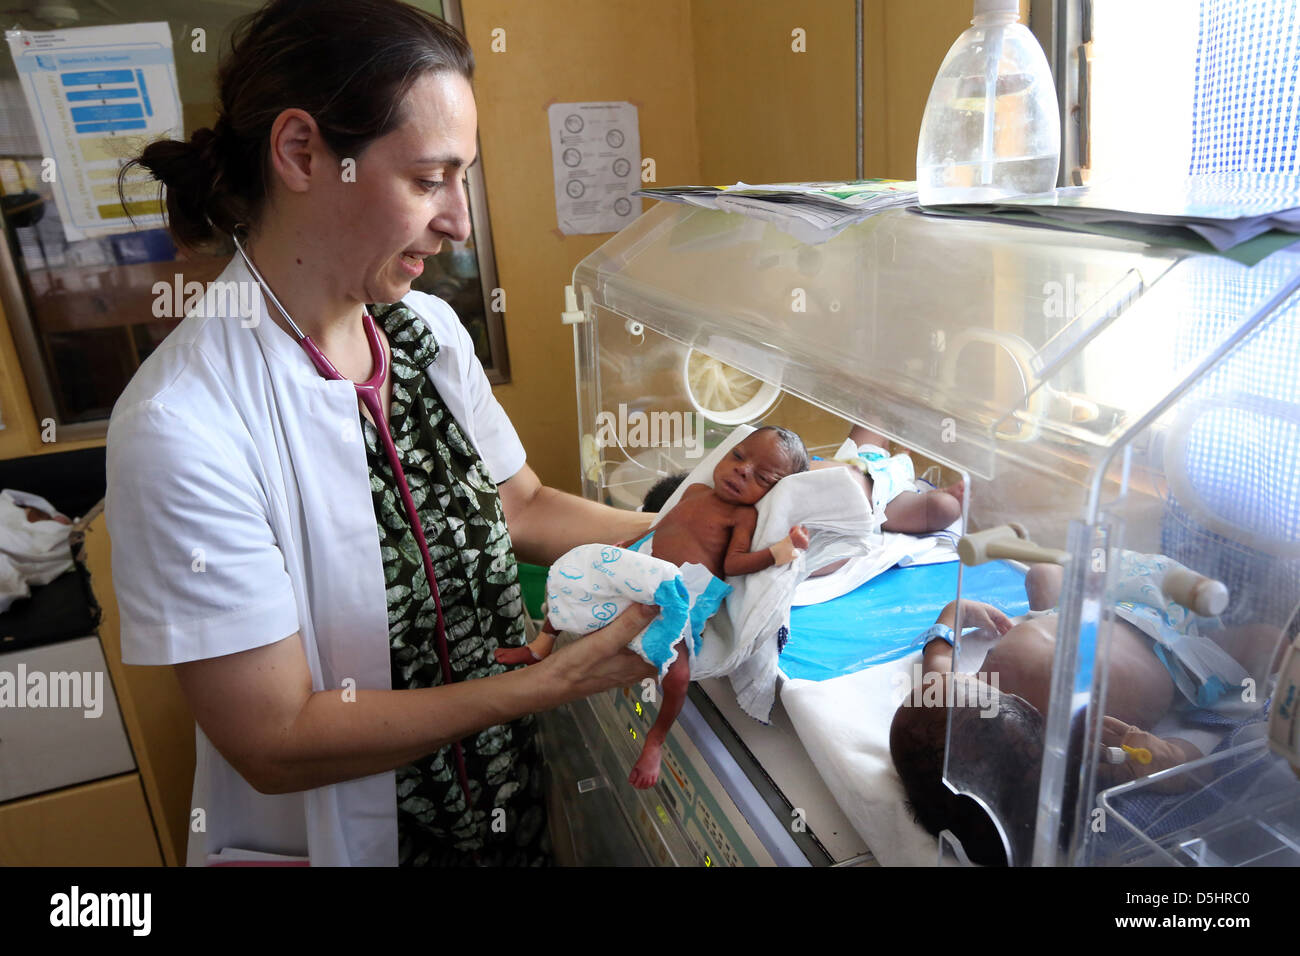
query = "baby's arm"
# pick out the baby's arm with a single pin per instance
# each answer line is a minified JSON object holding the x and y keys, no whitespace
{"x":740,"y":560}
{"x":937,"y":656}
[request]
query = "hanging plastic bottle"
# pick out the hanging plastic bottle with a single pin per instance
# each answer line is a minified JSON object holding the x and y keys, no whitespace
{"x":991,"y":127}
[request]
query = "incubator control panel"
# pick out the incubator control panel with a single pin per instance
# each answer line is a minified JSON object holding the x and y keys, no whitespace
{"x":688,"y":792}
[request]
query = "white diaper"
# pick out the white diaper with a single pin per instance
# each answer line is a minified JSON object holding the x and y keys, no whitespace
{"x":594,"y":583}
{"x":1201,"y":669}
{"x":891,"y":475}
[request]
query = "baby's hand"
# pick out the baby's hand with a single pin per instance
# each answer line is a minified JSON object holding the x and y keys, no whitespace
{"x":976,"y":614}
{"x":1146,"y":753}
{"x":783,"y":551}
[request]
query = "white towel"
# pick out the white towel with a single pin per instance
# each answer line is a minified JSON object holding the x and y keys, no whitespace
{"x":31,"y":552}
{"x":831,"y":505}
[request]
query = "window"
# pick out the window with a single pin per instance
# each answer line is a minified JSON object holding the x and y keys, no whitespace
{"x":1172,"y":87}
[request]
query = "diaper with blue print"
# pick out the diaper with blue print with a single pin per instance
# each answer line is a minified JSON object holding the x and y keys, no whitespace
{"x":1200,"y":668}
{"x":891,"y":475}
{"x":594,"y":583}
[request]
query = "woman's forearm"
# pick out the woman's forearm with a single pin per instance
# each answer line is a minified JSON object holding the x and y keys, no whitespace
{"x":339,"y":736}
{"x":334,"y":736}
{"x":552,"y":522}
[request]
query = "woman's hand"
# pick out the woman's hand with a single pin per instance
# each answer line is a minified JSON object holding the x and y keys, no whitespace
{"x":601,"y":660}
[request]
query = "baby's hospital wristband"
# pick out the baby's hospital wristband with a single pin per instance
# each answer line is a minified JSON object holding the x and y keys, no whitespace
{"x":783,"y":551}
{"x":937,"y":632}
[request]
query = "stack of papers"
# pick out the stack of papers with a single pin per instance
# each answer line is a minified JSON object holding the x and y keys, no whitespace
{"x":1245,"y":216}
{"x":811,"y":212}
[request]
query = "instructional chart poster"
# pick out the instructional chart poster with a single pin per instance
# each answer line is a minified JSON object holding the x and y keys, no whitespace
{"x":97,"y":96}
{"x":596,"y":156}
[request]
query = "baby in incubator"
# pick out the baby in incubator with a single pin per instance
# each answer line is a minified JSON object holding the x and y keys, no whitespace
{"x":891,"y":487}
{"x":888,"y":482}
{"x":711,"y":528}
{"x":1143,"y":683}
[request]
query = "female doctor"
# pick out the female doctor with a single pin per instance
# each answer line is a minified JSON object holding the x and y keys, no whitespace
{"x":347,"y":711}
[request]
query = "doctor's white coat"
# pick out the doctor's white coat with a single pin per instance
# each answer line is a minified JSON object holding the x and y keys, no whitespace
{"x":240,"y":511}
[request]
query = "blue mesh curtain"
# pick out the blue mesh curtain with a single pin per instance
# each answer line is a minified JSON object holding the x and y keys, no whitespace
{"x":1243,"y":436}
{"x":1246,"y":113}
{"x":1244,"y":462}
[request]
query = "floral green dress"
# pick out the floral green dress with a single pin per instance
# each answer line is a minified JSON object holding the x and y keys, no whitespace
{"x":465,"y":528}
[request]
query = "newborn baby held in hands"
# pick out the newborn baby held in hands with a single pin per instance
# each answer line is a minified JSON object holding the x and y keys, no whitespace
{"x":707,"y":537}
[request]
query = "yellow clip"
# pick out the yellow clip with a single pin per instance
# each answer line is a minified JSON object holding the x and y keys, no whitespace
{"x":1140,"y":754}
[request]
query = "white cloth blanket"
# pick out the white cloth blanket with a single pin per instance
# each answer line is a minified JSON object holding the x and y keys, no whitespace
{"x":906,"y":550}
{"x":31,"y":552}
{"x":745,"y":643}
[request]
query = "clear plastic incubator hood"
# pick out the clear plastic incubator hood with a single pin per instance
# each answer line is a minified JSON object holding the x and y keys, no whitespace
{"x":1115,"y":402}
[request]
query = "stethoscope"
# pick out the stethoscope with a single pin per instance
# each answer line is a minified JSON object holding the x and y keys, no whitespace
{"x":368,"y":392}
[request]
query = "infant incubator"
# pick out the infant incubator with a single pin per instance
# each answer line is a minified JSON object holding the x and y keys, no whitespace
{"x":1099,"y":399}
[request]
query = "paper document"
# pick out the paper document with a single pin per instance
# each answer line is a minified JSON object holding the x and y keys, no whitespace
{"x":1224,"y":209}
{"x":811,"y":212}
{"x":596,"y":161}
{"x":97,"y":96}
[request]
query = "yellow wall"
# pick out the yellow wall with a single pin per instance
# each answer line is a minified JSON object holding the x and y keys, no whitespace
{"x":565,"y":51}
{"x":769,"y":114}
{"x":766,"y":112}
{"x":721,"y":97}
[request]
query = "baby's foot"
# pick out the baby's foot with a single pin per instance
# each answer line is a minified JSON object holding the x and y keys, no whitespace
{"x":645,"y":773}
{"x":516,"y":655}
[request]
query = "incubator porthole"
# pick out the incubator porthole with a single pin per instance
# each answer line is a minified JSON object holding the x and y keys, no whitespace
{"x":723,"y":394}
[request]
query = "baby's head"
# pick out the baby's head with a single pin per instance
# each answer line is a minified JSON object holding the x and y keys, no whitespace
{"x":1003,"y":748}
{"x":756,"y":464}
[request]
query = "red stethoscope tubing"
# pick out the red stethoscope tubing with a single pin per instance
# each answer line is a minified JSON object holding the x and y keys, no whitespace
{"x":369,"y":393}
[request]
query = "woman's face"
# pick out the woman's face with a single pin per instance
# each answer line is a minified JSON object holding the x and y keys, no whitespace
{"x":409,"y":194}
